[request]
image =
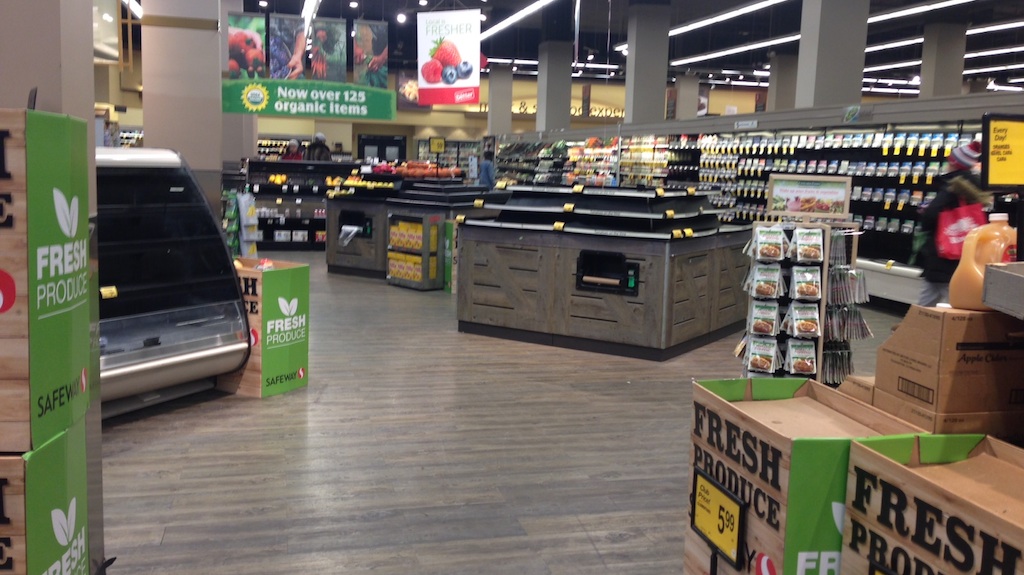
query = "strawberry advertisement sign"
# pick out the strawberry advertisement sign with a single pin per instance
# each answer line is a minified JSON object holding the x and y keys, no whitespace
{"x":448,"y":48}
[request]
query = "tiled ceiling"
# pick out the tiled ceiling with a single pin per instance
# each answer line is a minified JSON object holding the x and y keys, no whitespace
{"x":604,"y":23}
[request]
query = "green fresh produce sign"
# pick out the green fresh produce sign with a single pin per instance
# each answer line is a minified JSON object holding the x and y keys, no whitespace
{"x":306,"y":98}
{"x":285,"y":341}
{"x":56,"y":499}
{"x":58,"y":272}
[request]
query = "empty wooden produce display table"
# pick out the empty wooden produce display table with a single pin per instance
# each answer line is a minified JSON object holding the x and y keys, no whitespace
{"x":530,"y":285}
{"x":277,"y":303}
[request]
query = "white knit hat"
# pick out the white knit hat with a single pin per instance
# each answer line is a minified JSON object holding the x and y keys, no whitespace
{"x":965,"y":157}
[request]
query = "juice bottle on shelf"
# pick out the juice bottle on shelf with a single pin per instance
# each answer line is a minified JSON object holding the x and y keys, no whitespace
{"x":991,"y":243}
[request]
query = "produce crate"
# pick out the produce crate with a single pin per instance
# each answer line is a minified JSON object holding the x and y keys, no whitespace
{"x":45,"y":268}
{"x":778,"y":450}
{"x":43,"y":507}
{"x":277,"y":302}
{"x":933,"y":504}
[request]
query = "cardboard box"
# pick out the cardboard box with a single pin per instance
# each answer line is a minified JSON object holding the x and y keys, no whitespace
{"x":43,"y":507}
{"x":46,"y":274}
{"x":954,"y":361}
{"x":781,"y":446}
{"x":1006,"y":425}
{"x":860,"y":387}
{"x":931,"y":504}
{"x":277,"y":303}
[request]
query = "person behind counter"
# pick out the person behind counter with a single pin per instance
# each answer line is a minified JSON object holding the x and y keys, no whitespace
{"x":292,"y":151}
{"x":487,"y":178}
{"x":318,"y":150}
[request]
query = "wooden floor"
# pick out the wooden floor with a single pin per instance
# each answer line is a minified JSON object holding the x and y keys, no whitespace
{"x":415,"y":450}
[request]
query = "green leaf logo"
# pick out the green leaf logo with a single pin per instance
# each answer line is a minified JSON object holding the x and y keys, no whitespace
{"x":288,"y":308}
{"x":64,"y":525}
{"x":838,"y":514}
{"x":67,"y":214}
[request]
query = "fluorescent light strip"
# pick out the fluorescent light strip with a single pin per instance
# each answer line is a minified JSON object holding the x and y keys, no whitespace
{"x":896,"y":44}
{"x":513,"y":18}
{"x":762,"y":73}
{"x":890,"y":90}
{"x":592,"y":66}
{"x":735,"y":50}
{"x":1000,"y":88}
{"x":996,"y":27}
{"x":741,"y":83}
{"x":995,"y":52}
{"x":712,"y":20}
{"x":893,"y":66}
{"x":914,"y":10}
{"x":1015,"y":80}
{"x":134,"y":7}
{"x":993,"y":69}
{"x":891,"y":81}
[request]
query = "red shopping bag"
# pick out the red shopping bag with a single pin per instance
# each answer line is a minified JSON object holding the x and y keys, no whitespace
{"x":954,"y":225}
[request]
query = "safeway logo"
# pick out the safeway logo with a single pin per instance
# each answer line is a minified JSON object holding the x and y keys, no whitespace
{"x":83,"y":380}
{"x":301,"y":373}
{"x":254,"y":337}
{"x":7,"y":291}
{"x":67,"y":213}
{"x":288,"y":308}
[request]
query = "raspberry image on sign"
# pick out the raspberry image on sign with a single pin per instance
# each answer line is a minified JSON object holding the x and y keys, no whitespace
{"x":7,"y":292}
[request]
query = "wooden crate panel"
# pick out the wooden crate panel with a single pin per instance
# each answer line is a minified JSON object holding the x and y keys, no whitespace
{"x":518,"y":258}
{"x":14,"y":322}
{"x":12,"y":468}
{"x":14,"y":400}
{"x":971,"y":509}
{"x":690,"y":314}
{"x":697,"y":554}
{"x":729,"y":303}
{"x":495,"y":276}
{"x":504,"y":286}
{"x":14,"y":358}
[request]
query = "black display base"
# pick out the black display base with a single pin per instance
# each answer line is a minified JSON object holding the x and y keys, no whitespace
{"x":606,"y":347}
{"x":350,"y":271}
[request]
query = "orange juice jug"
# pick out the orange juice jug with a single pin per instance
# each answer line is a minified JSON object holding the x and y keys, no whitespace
{"x":991,"y":243}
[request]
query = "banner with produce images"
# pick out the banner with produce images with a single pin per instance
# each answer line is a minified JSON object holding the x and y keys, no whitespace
{"x":246,"y":58}
{"x":287,"y":47}
{"x":370,"y":53}
{"x":448,"y":49}
{"x":408,"y":89}
{"x":328,"y":55}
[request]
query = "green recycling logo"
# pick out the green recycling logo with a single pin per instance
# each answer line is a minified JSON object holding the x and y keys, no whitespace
{"x":73,"y":561}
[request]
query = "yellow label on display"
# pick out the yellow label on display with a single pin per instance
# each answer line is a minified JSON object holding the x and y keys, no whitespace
{"x":889,"y":264}
{"x":903,"y":178}
{"x":935,"y":152}
{"x":558,"y":226}
{"x":478,"y":203}
{"x":928,"y":179}
{"x":669,"y":214}
{"x":717,"y":516}
{"x":888,"y":203}
{"x":660,"y":192}
{"x":578,"y":189}
{"x":436,"y":145}
{"x":500,"y":185}
{"x":568,"y":207}
{"x":885,"y":151}
{"x":899,"y":206}
{"x":460,"y":218}
{"x":915,"y":178}
{"x":108,"y":292}
{"x":1005,"y":166}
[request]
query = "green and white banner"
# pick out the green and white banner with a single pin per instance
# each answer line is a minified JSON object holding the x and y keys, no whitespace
{"x":292,"y":98}
{"x":56,"y":506}
{"x":58,"y":271}
{"x":285,"y":339}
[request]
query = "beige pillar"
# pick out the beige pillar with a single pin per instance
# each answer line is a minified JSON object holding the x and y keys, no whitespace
{"x":782,"y":83}
{"x":942,"y":59}
{"x":833,"y":35}
{"x":646,"y":62}
{"x":499,"y":104}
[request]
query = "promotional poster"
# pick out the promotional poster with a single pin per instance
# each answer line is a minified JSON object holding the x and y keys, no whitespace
{"x":448,"y":49}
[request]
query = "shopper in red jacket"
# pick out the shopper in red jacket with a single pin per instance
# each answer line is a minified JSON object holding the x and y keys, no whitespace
{"x":958,"y":184}
{"x":292,"y":151}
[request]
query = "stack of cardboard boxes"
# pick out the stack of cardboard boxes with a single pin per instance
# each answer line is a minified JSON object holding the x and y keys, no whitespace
{"x":49,"y":364}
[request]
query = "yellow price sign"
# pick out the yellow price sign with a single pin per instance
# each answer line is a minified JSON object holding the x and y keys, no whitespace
{"x":1004,"y":146}
{"x":718,"y":517}
{"x":437,"y":145}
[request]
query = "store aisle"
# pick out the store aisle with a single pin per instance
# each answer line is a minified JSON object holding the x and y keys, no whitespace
{"x":414,"y":450}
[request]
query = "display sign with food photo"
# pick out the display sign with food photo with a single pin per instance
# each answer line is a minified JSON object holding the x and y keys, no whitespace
{"x":826,"y":197}
{"x":246,"y":58}
{"x":370,"y":53}
{"x":408,"y":88}
{"x":448,"y":49}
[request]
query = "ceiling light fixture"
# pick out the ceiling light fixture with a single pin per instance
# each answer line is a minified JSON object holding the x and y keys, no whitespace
{"x":736,"y":50}
{"x":1000,"y":88}
{"x":401,"y":18}
{"x":896,"y":44}
{"x":996,"y":27}
{"x":353,"y":4}
{"x":914,"y":10}
{"x":724,"y":16}
{"x":762,"y":73}
{"x":483,"y":17}
{"x":893,"y":66}
{"x":995,"y":52}
{"x":134,"y":7}
{"x":423,"y":2}
{"x":1015,"y":80}
{"x":309,"y":10}
{"x":107,"y":17}
{"x":514,"y":18}
{"x":993,"y":69}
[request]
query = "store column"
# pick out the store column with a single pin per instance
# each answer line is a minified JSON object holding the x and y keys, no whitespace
{"x":554,"y":79}
{"x":687,"y":97}
{"x":645,"y":64}
{"x":499,"y":100}
{"x":782,"y":83}
{"x":181,"y":74}
{"x":942,"y":59}
{"x":831,"y":63}
{"x":238,"y":131}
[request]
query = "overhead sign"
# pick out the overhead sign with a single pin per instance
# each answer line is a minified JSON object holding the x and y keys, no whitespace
{"x":303,"y":99}
{"x":448,"y":49}
{"x":1002,"y":160}
{"x":801,"y":195}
